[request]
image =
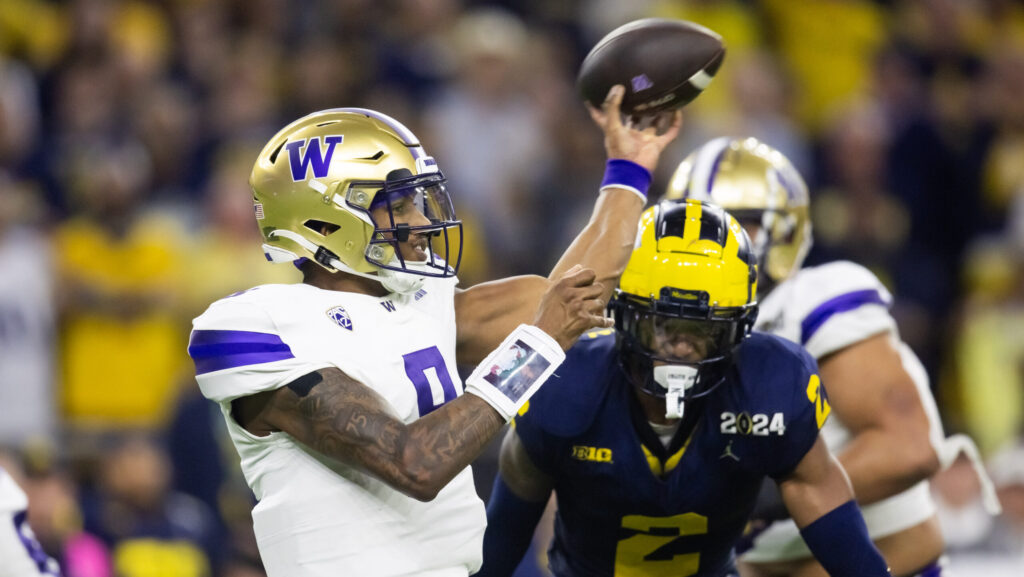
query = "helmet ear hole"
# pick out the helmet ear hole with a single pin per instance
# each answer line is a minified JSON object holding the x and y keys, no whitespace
{"x":320,"y":227}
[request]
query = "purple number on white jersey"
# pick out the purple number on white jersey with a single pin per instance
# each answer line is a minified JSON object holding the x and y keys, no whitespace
{"x":418,"y":366}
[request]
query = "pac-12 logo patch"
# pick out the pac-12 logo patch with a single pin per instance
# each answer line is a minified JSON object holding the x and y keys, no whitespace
{"x":340,"y":317}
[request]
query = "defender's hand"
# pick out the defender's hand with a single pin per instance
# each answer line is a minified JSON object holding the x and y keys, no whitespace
{"x":571,"y":306}
{"x":635,"y":140}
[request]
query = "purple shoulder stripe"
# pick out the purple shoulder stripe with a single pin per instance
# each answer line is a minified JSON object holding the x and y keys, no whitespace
{"x":839,"y":304}
{"x":217,"y":350}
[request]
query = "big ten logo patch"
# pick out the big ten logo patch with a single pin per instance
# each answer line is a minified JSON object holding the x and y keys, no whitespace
{"x":594,"y":454}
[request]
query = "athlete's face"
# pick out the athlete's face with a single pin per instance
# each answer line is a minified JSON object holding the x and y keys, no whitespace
{"x":404,"y":211}
{"x":679,"y":340}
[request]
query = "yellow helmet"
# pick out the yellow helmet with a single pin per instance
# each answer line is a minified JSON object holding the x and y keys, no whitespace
{"x":317,"y":180}
{"x":755,"y":183}
{"x":691,"y":271}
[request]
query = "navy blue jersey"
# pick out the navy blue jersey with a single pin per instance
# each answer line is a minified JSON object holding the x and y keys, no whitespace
{"x":627,"y":506}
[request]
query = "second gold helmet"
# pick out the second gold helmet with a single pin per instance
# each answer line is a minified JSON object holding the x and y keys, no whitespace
{"x":755,"y":183}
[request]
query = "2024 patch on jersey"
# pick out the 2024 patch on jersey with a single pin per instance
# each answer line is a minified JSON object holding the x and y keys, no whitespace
{"x":316,"y":516}
{"x":624,"y":511}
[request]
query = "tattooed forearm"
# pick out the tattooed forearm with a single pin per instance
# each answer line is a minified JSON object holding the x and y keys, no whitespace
{"x":348,"y":421}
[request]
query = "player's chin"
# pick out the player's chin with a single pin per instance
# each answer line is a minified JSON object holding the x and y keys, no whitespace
{"x":670,"y":360}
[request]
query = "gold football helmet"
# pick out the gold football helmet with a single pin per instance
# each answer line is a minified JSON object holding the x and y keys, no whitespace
{"x":691,"y":276}
{"x":328,"y":188}
{"x":759,"y":186}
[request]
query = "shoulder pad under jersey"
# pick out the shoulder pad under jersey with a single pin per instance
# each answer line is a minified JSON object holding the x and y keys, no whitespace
{"x":839,"y":304}
{"x":568,"y":402}
{"x":840,"y":277}
{"x":778,"y":377}
{"x":766,"y":362}
{"x":238,"y":349}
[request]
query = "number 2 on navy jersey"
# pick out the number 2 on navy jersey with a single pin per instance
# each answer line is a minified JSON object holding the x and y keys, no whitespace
{"x":429,"y":374}
{"x":657,"y":546}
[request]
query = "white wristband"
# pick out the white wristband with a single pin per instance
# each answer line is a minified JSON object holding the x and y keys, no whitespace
{"x":514,"y":371}
{"x":636,"y":191}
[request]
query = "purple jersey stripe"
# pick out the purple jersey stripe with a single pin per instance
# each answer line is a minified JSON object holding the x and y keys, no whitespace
{"x":218,"y":350}
{"x":714,"y":168}
{"x":839,"y":304}
{"x":932,"y":570}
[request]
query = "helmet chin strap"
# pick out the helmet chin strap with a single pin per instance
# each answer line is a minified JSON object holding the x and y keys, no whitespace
{"x":400,"y":282}
{"x":393,"y":281}
{"x":677,"y":380}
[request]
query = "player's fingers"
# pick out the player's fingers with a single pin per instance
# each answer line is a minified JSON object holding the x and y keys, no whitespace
{"x":590,"y":291}
{"x":664,"y":120}
{"x":578,"y":276}
{"x":596,"y":115}
{"x":595,"y":306}
{"x":613,"y":102}
{"x":651,"y":130}
{"x":673,"y":130}
{"x":599,"y":321}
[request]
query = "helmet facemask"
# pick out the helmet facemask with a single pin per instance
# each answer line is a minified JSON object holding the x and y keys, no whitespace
{"x":678,"y":347}
{"x":404,"y":199}
{"x":776,"y":232}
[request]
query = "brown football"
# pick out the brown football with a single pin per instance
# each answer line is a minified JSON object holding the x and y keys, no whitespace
{"x":664,"y":64}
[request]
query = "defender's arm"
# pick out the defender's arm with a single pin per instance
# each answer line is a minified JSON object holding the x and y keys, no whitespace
{"x":520,"y":494}
{"x":820,"y":500}
{"x":875,"y":398}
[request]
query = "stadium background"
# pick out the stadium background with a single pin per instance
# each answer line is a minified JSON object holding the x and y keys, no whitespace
{"x":128,"y":128}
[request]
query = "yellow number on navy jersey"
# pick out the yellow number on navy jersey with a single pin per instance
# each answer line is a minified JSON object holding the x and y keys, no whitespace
{"x":598,"y":333}
{"x":817,"y":396}
{"x":156,"y":557}
{"x":646,"y":552}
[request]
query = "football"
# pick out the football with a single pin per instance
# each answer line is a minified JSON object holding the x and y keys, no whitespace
{"x":664,"y":64}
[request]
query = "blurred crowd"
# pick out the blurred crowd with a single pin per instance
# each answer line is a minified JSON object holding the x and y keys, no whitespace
{"x":128,"y":129}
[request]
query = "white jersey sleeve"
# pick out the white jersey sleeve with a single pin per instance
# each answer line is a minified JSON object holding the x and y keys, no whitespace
{"x":828,"y":308}
{"x":12,"y":498}
{"x":21,"y":555}
{"x":238,"y":350}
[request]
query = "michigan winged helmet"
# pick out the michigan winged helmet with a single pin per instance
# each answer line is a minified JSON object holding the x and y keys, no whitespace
{"x":691,"y":276}
{"x":757,"y":184}
{"x":328,"y":186}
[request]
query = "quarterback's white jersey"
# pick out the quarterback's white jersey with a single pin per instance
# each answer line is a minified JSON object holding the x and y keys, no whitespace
{"x":826,"y":309}
{"x":12,"y":498}
{"x":317,"y":517}
{"x":20,"y":553}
